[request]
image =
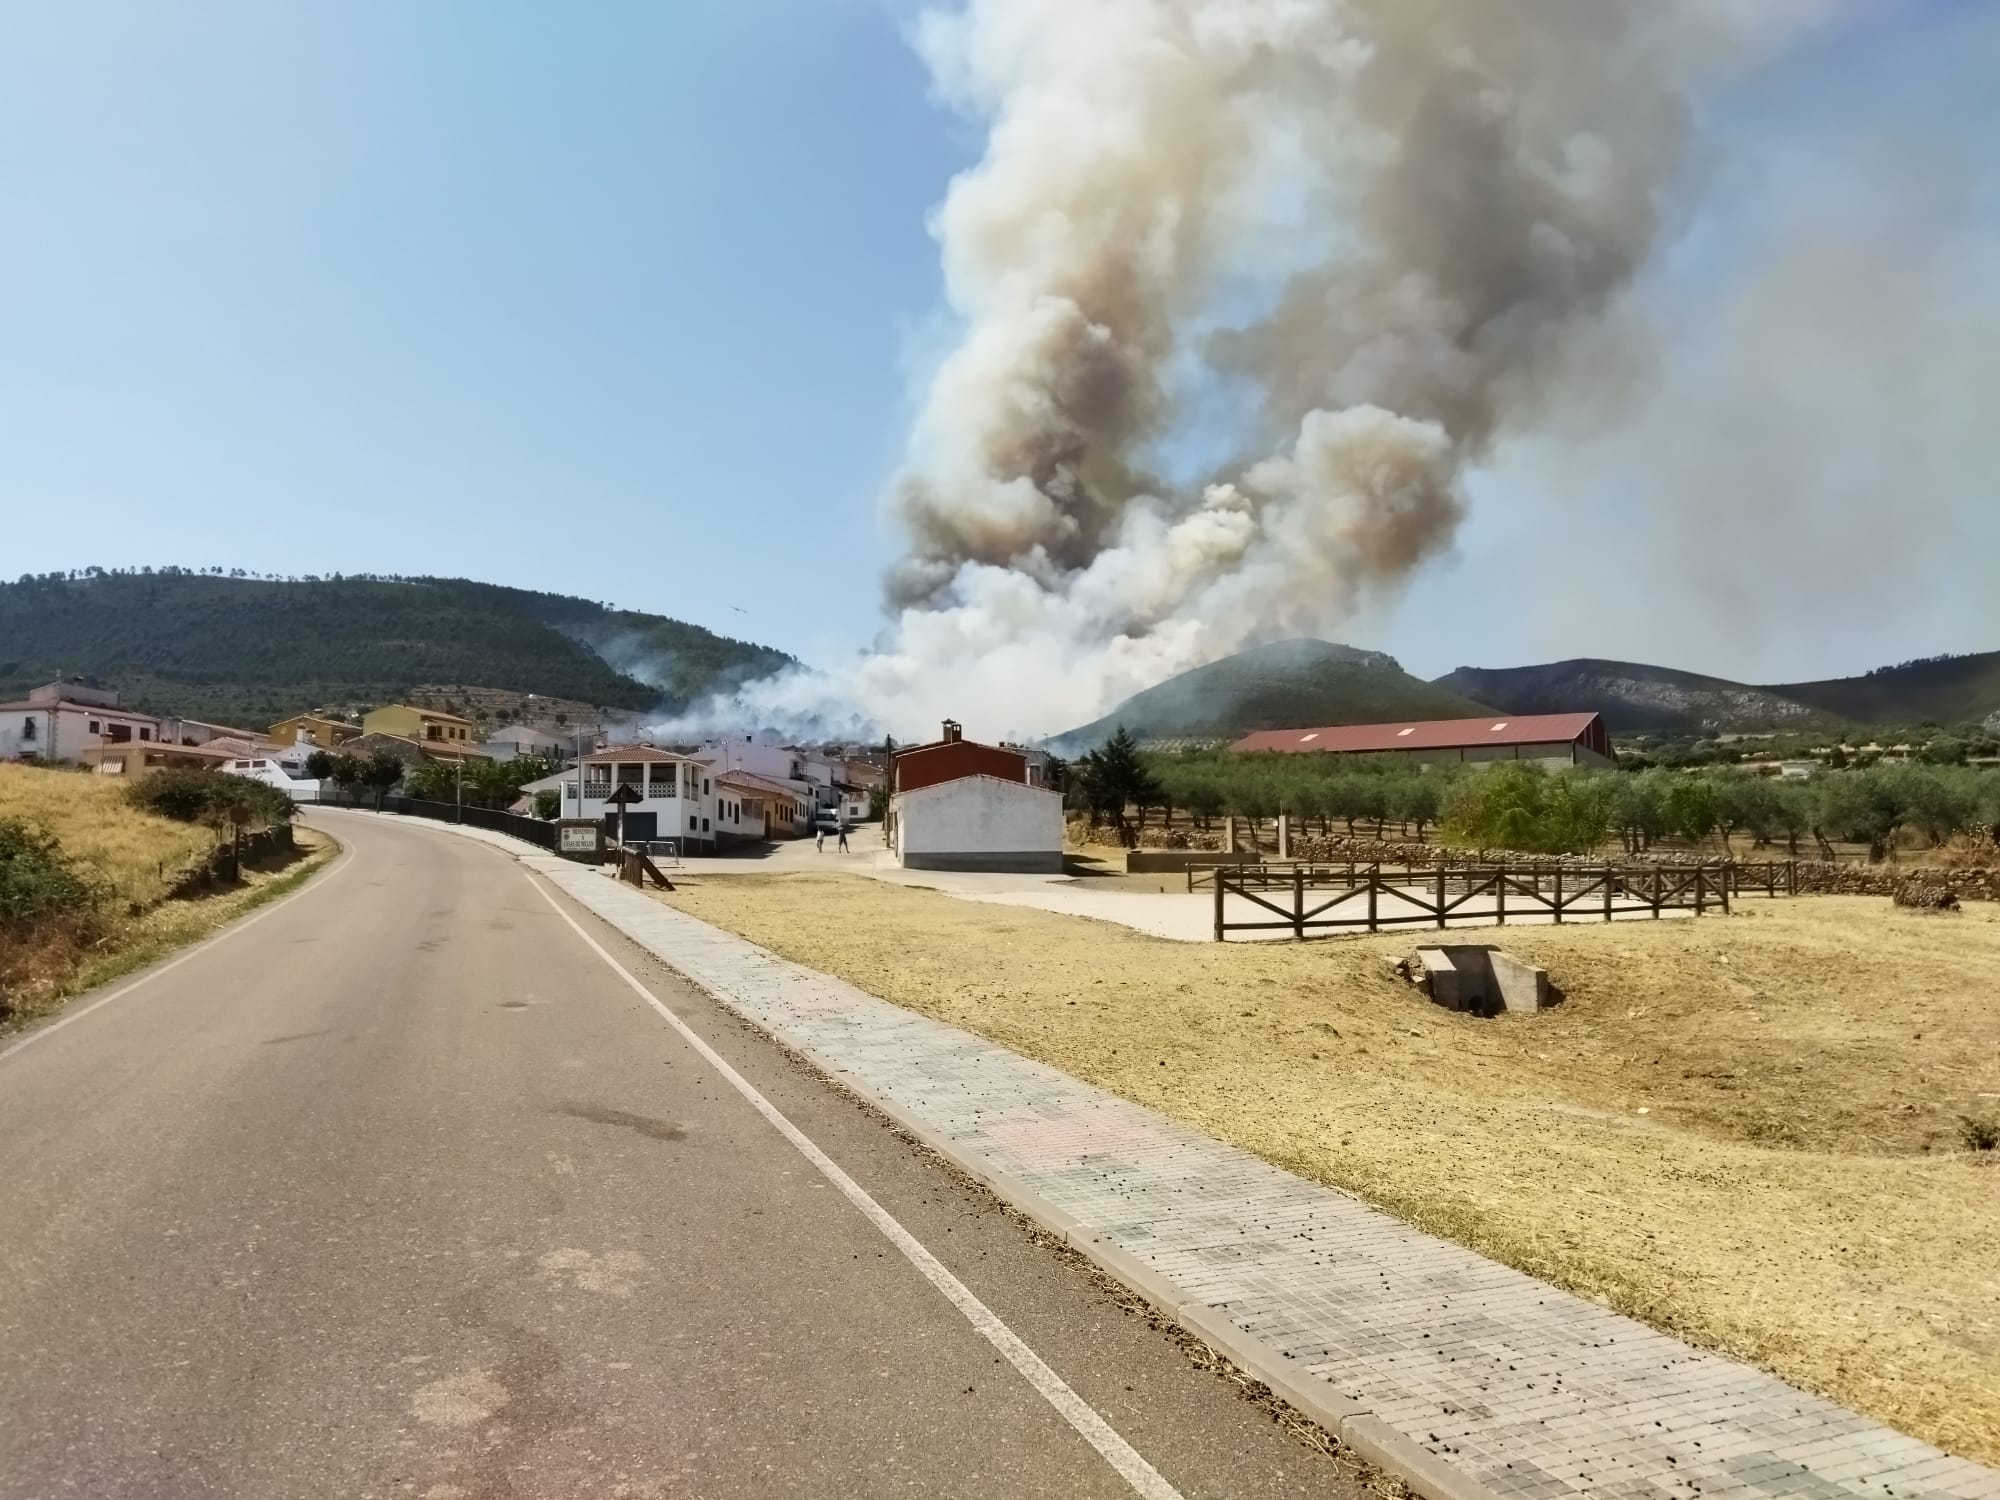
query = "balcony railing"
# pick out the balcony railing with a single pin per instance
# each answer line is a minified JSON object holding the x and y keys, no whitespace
{"x":599,"y":791}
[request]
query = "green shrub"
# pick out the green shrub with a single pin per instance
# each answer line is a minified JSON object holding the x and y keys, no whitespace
{"x":36,"y":882}
{"x":1979,"y":1132}
{"x":190,"y":796}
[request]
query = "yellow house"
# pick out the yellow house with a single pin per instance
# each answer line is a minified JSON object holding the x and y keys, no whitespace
{"x":427,"y":726}
{"x":312,"y":729}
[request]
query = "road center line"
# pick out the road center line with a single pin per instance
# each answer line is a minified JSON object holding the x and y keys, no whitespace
{"x":340,"y":862}
{"x":1141,"y":1476}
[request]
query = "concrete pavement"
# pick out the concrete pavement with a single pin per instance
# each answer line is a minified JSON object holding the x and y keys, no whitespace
{"x":404,"y":1191}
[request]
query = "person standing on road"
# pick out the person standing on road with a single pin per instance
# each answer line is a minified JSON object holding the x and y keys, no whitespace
{"x":841,"y":847}
{"x":819,"y":838}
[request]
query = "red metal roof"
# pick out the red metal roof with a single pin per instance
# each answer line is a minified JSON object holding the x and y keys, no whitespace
{"x":1437,"y":734}
{"x":948,"y":760}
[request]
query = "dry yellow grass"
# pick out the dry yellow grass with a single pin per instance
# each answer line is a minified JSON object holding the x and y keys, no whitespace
{"x":138,"y":856}
{"x":137,"y":853}
{"x":1741,"y":1130}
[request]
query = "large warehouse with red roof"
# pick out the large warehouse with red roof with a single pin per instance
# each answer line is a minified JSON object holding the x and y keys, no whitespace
{"x":1551,"y":740}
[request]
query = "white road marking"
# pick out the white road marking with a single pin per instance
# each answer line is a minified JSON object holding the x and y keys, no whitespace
{"x":1141,"y":1476}
{"x":340,"y":863}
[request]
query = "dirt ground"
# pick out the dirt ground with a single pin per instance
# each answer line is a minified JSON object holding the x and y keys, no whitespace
{"x":1744,"y":1130}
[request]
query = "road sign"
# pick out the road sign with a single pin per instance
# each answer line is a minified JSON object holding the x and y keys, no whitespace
{"x":625,"y":795}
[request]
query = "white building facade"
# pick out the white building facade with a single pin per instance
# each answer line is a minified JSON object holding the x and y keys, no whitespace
{"x":61,"y":720}
{"x":978,"y":823}
{"x":673,"y":796}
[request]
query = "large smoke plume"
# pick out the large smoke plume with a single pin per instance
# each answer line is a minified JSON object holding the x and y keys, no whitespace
{"x":1365,"y":239}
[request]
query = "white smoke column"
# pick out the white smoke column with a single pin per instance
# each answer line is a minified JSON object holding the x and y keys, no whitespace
{"x":1379,"y":226}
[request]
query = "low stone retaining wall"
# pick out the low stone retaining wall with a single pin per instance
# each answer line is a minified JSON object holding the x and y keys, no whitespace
{"x":221,"y":866}
{"x":1885,"y":880}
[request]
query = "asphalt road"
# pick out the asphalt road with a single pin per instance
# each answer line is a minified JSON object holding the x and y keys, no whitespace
{"x":400,"y":1190}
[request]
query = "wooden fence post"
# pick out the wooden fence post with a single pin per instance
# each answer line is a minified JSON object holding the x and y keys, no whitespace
{"x":1559,"y":895}
{"x":1440,"y":912}
{"x":1218,"y":905}
{"x":1298,"y":903}
{"x":1658,"y":879}
{"x":1607,"y":890}
{"x":1500,"y":893}
{"x":1725,"y":897}
{"x":1374,"y":883}
{"x":1792,"y":877}
{"x":1700,"y":888}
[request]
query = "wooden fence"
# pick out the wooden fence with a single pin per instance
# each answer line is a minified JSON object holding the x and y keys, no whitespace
{"x":1371,"y":897}
{"x":1777,"y":877}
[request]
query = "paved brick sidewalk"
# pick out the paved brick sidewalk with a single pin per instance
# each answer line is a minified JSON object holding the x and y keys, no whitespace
{"x":1440,"y":1363}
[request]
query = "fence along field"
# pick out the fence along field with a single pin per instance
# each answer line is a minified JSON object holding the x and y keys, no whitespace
{"x":1372,"y":897}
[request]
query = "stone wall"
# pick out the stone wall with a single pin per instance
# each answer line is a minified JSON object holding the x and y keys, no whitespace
{"x":1885,"y":880}
{"x":220,"y":867}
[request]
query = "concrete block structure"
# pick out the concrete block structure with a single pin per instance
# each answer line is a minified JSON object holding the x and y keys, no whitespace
{"x":1480,"y":978}
{"x":956,"y":804}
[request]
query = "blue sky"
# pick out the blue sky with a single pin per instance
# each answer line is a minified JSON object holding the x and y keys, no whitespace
{"x":515,"y":290}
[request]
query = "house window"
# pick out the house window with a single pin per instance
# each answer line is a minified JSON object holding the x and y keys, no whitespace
{"x":27,"y":729}
{"x":97,"y":726}
{"x":704,"y":825}
{"x":691,"y":827}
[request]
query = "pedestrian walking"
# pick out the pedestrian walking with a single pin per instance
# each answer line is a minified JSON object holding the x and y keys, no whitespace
{"x":819,"y":838}
{"x":841,"y":848}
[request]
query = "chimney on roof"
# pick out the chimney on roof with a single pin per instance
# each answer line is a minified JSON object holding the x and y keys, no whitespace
{"x":953,"y":733}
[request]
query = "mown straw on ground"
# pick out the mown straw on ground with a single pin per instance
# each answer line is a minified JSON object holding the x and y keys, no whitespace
{"x":1743,"y":1130}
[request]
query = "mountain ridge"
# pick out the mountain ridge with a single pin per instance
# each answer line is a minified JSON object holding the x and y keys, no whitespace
{"x":1276,"y":686}
{"x":240,"y":649}
{"x":1636,"y":697}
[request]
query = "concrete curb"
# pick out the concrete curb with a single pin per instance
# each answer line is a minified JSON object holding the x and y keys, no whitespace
{"x":1352,"y":1423}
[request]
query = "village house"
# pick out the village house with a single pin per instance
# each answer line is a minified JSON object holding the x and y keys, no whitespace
{"x":427,"y":726}
{"x":59,"y":721}
{"x":131,"y":757}
{"x":675,"y":795}
{"x":516,"y":741}
{"x":784,"y":809}
{"x":955,"y":804}
{"x":315,"y":731}
{"x":793,"y":801}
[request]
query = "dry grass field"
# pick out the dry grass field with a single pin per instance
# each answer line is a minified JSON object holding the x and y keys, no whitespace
{"x":136,"y":856}
{"x":134,"y":852}
{"x":1744,"y":1130}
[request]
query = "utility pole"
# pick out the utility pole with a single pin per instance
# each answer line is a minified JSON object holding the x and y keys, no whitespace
{"x":461,"y":789}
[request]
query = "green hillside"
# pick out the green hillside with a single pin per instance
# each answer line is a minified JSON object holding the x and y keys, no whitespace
{"x":1637,"y":698}
{"x":1633,"y":697}
{"x":253,"y":650}
{"x":1279,"y":686}
{"x":1941,"y":690}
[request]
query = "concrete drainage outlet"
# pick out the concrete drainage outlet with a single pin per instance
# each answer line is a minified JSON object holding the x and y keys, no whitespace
{"x":1479,"y":978}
